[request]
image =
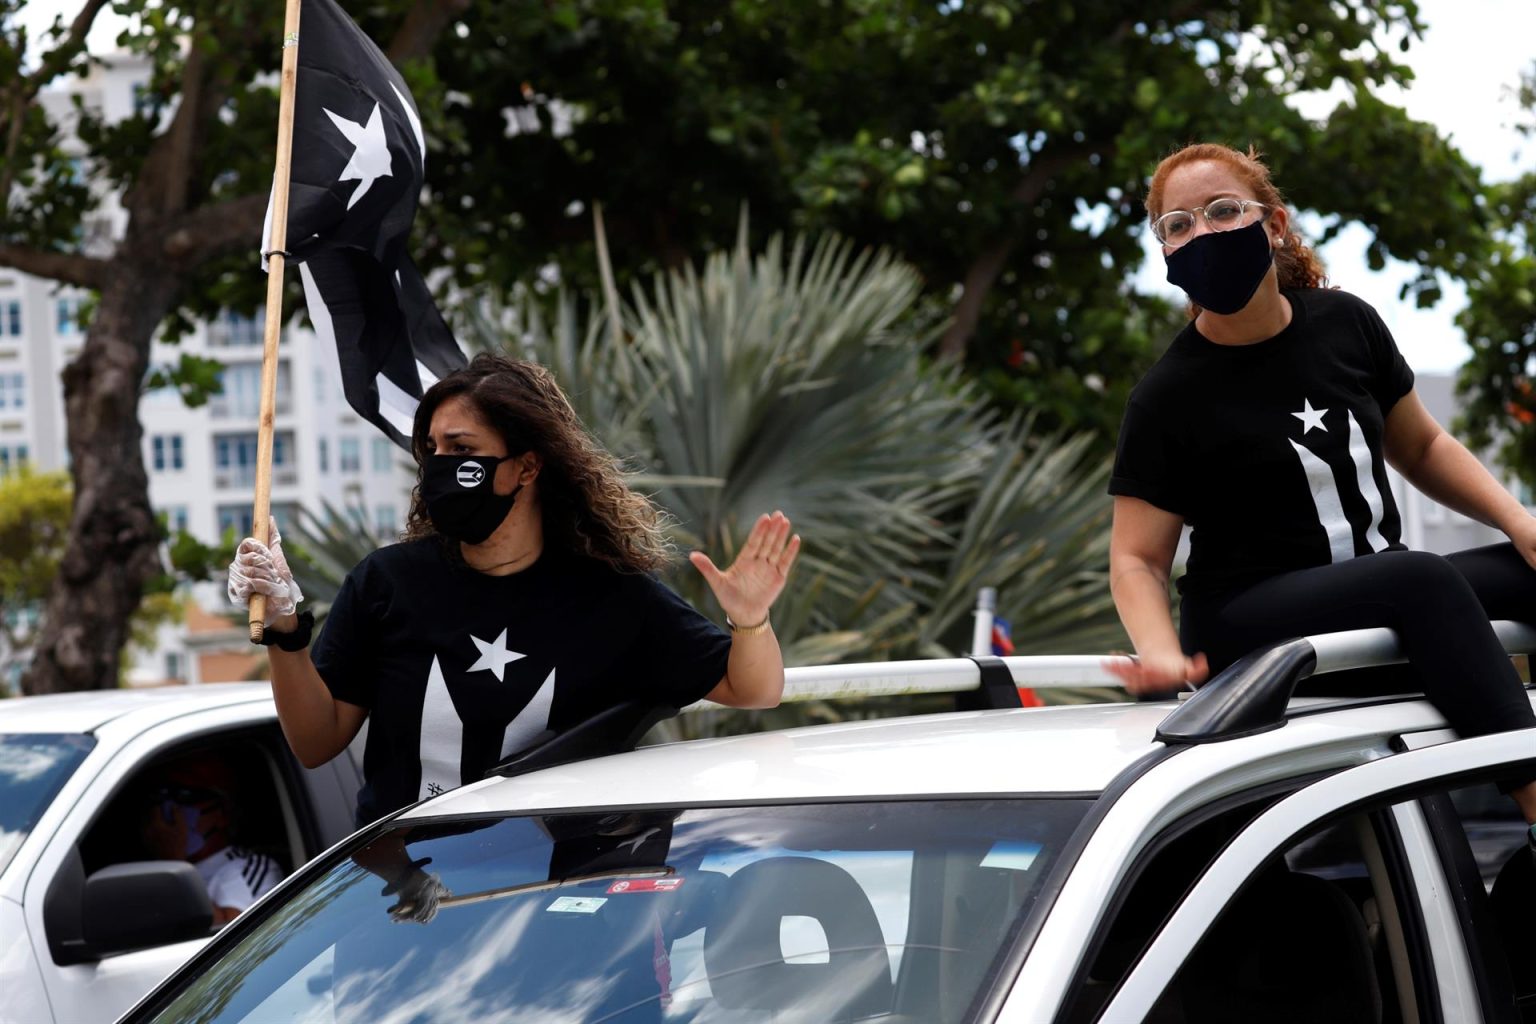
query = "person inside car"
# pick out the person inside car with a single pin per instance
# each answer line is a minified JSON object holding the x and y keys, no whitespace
{"x":188,"y":815}
{"x":1268,"y":426}
{"x":522,"y":600}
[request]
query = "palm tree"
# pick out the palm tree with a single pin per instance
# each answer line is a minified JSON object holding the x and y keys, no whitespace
{"x":794,"y":379}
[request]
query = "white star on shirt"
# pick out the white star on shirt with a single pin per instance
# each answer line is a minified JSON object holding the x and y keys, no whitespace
{"x":494,"y":656}
{"x":1311,"y":417}
{"x":370,"y":160}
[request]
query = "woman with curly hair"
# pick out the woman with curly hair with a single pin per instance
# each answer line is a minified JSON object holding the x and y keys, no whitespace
{"x":521,"y":600}
{"x":1268,"y":426}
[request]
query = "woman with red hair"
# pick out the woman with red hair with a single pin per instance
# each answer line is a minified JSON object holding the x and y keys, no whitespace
{"x":1267,"y":427}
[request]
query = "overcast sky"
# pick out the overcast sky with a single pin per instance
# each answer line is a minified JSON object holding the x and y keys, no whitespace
{"x":1472,"y":53}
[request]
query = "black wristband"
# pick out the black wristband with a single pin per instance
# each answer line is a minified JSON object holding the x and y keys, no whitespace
{"x":294,"y":641}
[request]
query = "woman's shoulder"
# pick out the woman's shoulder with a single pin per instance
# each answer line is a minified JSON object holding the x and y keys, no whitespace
{"x":630,"y":585}
{"x":403,"y":557}
{"x":1326,"y":301}
{"x":1168,"y":376}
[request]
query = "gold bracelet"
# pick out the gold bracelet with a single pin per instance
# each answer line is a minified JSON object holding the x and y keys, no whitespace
{"x":761,"y":627}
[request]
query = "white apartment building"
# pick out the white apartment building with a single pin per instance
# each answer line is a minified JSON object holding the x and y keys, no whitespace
{"x":201,"y":462}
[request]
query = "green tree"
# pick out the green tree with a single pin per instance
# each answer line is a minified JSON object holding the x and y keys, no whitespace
{"x":1000,"y":147}
{"x":191,"y":167}
{"x":1496,"y":385}
{"x":34,"y":522}
{"x":34,"y":529}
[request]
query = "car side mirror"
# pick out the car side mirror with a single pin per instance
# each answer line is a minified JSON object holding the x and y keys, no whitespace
{"x":144,"y":903}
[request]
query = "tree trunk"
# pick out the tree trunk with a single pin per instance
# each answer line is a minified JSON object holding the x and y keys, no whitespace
{"x":113,"y":547}
{"x":989,"y":263}
{"x":983,"y":273}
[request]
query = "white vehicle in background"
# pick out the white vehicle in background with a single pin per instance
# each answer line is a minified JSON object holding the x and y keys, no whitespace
{"x":1241,"y":855}
{"x":87,"y":925}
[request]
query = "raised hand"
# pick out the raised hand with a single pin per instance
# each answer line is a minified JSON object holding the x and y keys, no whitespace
{"x":754,"y":581}
{"x":261,"y":569}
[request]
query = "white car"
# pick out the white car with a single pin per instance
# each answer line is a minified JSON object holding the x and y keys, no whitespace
{"x":1236,"y":856}
{"x":73,"y":772}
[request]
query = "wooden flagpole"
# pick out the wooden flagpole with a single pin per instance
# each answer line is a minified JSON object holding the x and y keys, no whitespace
{"x":277,"y":259}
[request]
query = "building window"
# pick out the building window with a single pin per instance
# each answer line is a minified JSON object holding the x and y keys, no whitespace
{"x":383,"y":449}
{"x":233,"y":330}
{"x":12,"y":456}
{"x":234,"y":458}
{"x":175,"y":518}
{"x":165,"y":452}
{"x":68,"y":317}
{"x":13,"y":391}
{"x":325,"y":455}
{"x":384,"y":518}
{"x":235,"y":518}
{"x":173,"y":665}
{"x":241,"y":397}
{"x":10,"y":319}
{"x":351,"y":455}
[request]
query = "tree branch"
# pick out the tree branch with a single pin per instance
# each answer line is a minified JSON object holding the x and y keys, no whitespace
{"x":70,"y":268}
{"x":986,"y":267}
{"x":216,"y":230}
{"x":181,"y":138}
{"x":58,"y":59}
{"x":422,"y":25}
{"x":163,"y":186}
{"x":21,"y":92}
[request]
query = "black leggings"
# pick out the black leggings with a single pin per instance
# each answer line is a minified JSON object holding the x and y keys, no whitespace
{"x":1439,"y":605}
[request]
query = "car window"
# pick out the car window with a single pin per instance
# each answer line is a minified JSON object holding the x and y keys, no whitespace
{"x":1483,"y":847}
{"x":1319,"y":934}
{"x":1172,"y":865}
{"x":221,"y":802}
{"x":748,"y":914}
{"x":32,"y":769}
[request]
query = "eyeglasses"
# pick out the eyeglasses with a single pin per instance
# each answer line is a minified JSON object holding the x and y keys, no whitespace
{"x":1176,"y":227}
{"x":190,"y":796}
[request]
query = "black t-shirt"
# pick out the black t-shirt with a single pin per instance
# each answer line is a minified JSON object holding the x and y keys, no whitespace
{"x":1270,"y":452}
{"x":459,"y":669}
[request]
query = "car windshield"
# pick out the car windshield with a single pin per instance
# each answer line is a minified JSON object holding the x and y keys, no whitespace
{"x":819,"y":912}
{"x":32,"y":768}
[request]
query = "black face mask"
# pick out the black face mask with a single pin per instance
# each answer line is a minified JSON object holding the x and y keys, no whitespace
{"x":460,"y":492}
{"x":1221,"y":270}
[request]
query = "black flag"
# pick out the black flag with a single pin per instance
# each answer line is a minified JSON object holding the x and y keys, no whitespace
{"x":357,"y":171}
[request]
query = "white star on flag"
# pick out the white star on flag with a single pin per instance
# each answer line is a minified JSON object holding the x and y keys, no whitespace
{"x":1310,"y":417}
{"x":370,"y":160}
{"x":494,"y":656}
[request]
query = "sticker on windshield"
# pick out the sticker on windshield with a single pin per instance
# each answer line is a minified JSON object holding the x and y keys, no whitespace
{"x":575,"y":905}
{"x":1013,"y":855}
{"x":646,"y":885}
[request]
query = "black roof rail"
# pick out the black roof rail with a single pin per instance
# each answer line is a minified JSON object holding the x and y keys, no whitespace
{"x":613,"y":731}
{"x":1253,"y":694}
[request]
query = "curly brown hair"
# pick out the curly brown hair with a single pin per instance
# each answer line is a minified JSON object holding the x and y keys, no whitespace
{"x":587,"y":507}
{"x":1296,"y":265}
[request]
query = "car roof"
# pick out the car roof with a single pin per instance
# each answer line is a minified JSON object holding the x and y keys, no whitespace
{"x":1075,"y":749}
{"x":88,"y":711}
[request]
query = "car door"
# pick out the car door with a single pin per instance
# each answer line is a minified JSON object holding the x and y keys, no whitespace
{"x":300,"y":813}
{"x":1453,"y":982}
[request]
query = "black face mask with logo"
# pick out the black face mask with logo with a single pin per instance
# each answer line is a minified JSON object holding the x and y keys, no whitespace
{"x":1221,"y":270}
{"x":460,"y":492}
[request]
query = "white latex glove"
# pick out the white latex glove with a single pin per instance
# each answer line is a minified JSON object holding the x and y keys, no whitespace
{"x":261,"y":569}
{"x":417,"y":898}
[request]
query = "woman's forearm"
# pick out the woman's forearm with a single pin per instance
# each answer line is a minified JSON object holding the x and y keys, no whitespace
{"x":1141,"y":598}
{"x":754,"y":675}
